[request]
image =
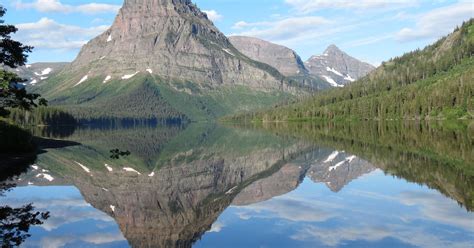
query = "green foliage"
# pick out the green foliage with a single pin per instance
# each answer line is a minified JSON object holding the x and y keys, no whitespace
{"x":13,"y":54}
{"x":15,"y":223}
{"x":44,"y":116}
{"x":434,"y":83}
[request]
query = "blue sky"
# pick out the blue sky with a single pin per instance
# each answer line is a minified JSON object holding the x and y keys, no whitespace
{"x":371,"y":30}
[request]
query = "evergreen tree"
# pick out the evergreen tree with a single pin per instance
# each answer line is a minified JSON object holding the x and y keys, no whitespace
{"x":13,"y":54}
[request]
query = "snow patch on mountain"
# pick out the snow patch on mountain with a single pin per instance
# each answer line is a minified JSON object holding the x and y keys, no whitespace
{"x":83,"y":79}
{"x":110,"y":169}
{"x":228,"y":51}
{"x":334,"y":71}
{"x":128,"y":169}
{"x":349,"y":78}
{"x":331,"y":157}
{"x":45,"y":176}
{"x":128,"y":76}
{"x":107,"y":79}
{"x":83,"y":167}
{"x":332,"y":82}
{"x":346,"y":160}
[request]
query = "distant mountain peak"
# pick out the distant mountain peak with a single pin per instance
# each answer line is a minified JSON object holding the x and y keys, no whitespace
{"x":333,"y":48}
{"x":337,"y":67}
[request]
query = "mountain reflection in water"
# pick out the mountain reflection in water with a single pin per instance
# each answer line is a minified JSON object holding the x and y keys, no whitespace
{"x":302,"y":185}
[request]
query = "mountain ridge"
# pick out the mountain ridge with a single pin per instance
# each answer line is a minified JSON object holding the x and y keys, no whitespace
{"x":176,"y":51}
{"x":334,"y":68}
{"x":284,"y":59}
{"x":433,"y":83}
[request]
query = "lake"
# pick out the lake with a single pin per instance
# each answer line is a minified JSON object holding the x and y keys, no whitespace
{"x":366,"y":184}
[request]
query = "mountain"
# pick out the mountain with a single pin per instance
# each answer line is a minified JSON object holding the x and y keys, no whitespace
{"x":164,"y":58}
{"x":333,"y":168}
{"x":337,"y":67}
{"x":170,"y":204}
{"x":421,"y":150}
{"x":433,"y":83}
{"x":332,"y":69}
{"x":285,"y":60}
{"x":339,"y":169}
{"x":38,"y":72}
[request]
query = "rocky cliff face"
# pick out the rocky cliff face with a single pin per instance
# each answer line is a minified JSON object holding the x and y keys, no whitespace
{"x":282,"y":58}
{"x":174,"y":40}
{"x":337,"y":67}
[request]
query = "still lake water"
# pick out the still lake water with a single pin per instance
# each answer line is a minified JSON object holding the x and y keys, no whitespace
{"x":206,"y":185}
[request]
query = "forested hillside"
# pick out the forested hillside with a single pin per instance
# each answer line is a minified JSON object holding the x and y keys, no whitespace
{"x":434,"y":83}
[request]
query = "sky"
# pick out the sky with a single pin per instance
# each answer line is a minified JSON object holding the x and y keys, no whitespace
{"x":370,"y":30}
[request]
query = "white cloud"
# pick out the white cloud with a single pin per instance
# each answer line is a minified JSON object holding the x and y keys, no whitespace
{"x":289,"y":208}
{"x":217,"y":227}
{"x":438,"y":22}
{"x":213,"y":15}
{"x":334,"y":237}
{"x":47,"y":33}
{"x":282,"y":30}
{"x":368,"y":40}
{"x":55,"y":241}
{"x":103,"y":238}
{"x":306,"y":6}
{"x":434,"y":207}
{"x":409,"y":235}
{"x":57,"y":6}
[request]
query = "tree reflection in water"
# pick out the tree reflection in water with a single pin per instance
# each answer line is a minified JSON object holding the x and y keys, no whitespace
{"x":15,"y":222}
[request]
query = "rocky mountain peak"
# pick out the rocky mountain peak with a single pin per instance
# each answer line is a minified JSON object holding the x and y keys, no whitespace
{"x":171,"y":39}
{"x":132,"y":3}
{"x":333,"y":49}
{"x":337,"y":67}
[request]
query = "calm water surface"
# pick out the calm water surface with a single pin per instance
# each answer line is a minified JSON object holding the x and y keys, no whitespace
{"x":206,"y":185}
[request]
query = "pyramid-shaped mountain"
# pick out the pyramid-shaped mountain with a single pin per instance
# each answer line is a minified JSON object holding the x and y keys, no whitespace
{"x":337,"y":67}
{"x":164,"y":58}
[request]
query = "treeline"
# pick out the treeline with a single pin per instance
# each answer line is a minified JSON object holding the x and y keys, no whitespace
{"x":434,"y":83}
{"x":47,"y":116}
